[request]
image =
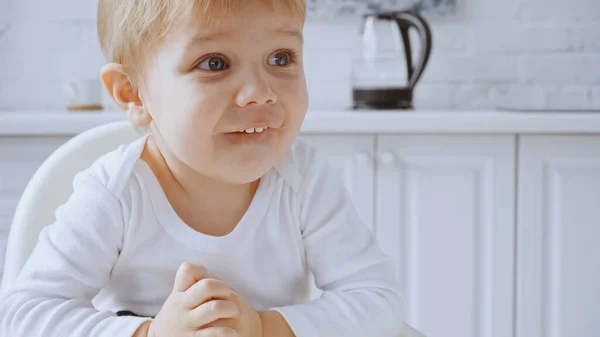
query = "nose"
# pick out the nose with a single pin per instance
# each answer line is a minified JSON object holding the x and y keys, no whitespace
{"x":255,"y":90}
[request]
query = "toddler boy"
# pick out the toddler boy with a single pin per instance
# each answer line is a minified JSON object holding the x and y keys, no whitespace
{"x":212,"y":223}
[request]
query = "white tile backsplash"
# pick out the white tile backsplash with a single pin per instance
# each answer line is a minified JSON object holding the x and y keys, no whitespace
{"x":472,"y":68}
{"x":543,"y":97}
{"x":535,"y":38}
{"x":558,"y":10}
{"x":561,"y":97}
{"x":586,"y":37}
{"x":562,"y":69}
{"x":437,"y":96}
{"x":520,"y":53}
{"x":595,"y":98}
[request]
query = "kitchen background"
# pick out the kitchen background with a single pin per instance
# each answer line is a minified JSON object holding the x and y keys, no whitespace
{"x":520,"y":54}
{"x":493,"y":216}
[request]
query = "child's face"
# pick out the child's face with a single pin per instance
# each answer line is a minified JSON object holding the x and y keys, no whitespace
{"x":205,"y":84}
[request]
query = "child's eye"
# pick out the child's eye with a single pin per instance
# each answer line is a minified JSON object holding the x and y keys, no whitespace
{"x":281,"y":59}
{"x":213,"y":63}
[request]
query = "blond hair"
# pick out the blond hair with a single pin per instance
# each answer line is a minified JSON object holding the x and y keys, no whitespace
{"x":129,"y":29}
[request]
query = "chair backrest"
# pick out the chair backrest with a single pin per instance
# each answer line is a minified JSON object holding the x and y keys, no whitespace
{"x":51,"y":186}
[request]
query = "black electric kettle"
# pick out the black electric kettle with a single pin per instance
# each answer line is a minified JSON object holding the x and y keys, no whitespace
{"x":384,"y":76}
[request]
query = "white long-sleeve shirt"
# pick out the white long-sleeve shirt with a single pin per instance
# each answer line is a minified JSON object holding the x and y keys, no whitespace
{"x":116,"y":245}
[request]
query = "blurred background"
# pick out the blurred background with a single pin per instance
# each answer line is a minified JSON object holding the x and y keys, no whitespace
{"x":534,"y":54}
{"x":486,"y":191}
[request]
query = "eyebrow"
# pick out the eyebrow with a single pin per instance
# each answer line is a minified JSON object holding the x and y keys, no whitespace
{"x":291,"y":32}
{"x":206,"y":36}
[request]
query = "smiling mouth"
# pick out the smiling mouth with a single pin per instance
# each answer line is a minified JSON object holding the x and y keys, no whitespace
{"x":253,"y":130}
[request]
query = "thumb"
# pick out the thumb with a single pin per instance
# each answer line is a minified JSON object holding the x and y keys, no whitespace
{"x":187,"y":275}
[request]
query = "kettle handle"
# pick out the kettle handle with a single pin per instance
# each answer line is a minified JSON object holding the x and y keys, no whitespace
{"x":406,"y":20}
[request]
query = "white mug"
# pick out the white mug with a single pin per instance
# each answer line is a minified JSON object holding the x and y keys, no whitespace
{"x":84,"y":94}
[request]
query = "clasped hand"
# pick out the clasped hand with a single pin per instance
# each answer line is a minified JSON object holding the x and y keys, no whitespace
{"x":201,"y":305}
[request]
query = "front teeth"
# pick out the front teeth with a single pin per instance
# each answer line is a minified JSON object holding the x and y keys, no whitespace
{"x":253,"y":130}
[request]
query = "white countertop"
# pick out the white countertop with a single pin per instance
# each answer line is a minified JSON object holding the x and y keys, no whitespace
{"x":65,"y":123}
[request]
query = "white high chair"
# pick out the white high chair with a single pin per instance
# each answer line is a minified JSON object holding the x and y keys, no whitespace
{"x":51,"y":185}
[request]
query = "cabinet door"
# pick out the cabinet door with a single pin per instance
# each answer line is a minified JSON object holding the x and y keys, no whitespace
{"x":445,"y":211}
{"x":558,"y":273}
{"x":352,"y":157}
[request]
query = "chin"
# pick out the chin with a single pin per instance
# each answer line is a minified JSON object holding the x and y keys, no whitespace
{"x":242,"y":178}
{"x":246,"y":172}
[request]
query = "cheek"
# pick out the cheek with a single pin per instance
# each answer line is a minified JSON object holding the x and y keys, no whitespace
{"x":292,"y":89}
{"x":294,"y":95}
{"x":192,"y":106}
{"x":184,"y":118}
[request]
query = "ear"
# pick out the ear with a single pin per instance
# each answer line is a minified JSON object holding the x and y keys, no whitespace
{"x":122,"y":91}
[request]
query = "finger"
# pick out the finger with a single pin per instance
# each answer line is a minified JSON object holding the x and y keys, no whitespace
{"x":228,"y":322}
{"x":216,"y":331}
{"x":212,"y":311}
{"x":187,"y":275}
{"x":236,"y":298}
{"x":205,"y":290}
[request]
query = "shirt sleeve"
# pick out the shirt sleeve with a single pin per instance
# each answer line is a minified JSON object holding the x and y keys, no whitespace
{"x":361,"y":294}
{"x":72,"y":262}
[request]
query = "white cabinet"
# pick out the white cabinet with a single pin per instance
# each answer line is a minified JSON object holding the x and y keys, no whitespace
{"x":445,"y":210}
{"x":558,"y":274}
